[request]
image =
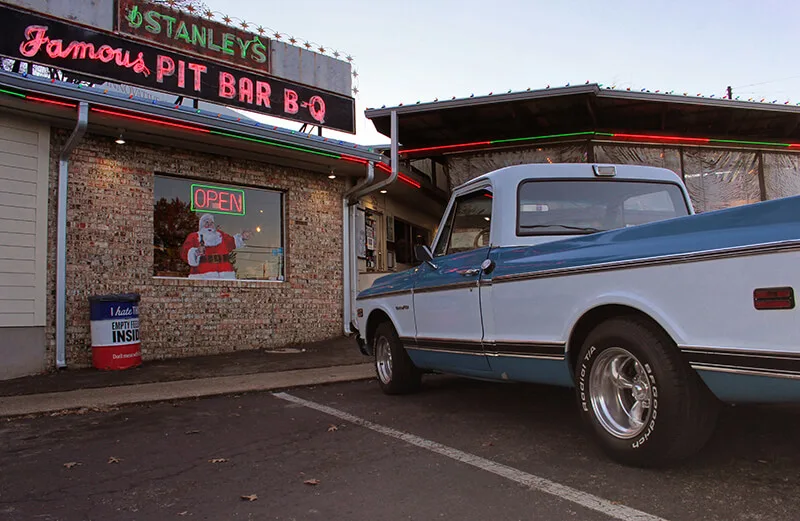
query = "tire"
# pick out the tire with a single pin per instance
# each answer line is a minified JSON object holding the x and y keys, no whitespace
{"x":396,"y":373}
{"x":676,"y":410}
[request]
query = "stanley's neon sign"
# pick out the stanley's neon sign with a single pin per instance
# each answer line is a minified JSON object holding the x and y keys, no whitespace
{"x":160,"y":24}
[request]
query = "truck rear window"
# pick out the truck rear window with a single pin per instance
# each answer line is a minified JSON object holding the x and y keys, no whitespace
{"x":573,"y":207}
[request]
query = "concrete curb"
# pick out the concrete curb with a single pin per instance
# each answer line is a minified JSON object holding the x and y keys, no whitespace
{"x":182,"y":389}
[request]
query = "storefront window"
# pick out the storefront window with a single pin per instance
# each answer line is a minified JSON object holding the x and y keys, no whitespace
{"x":204,"y":230}
{"x":406,"y":236}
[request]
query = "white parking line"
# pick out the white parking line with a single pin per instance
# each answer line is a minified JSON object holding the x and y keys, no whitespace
{"x":534,"y":482}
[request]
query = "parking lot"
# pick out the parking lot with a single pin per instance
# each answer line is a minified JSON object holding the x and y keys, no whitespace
{"x":459,"y":449}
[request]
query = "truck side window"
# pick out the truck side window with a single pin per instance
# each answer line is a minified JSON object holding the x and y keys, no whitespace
{"x":467,"y":227}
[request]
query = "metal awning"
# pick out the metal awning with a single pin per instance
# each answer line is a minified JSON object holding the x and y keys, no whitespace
{"x":585,"y":108}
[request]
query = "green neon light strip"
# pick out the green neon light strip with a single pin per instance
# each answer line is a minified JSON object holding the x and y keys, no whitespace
{"x":734,"y":141}
{"x":12,"y":93}
{"x":226,"y":134}
{"x":265,"y":142}
{"x":551,"y":136}
{"x":673,"y":140}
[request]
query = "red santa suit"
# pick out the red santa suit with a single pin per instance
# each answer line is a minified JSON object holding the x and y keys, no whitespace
{"x":215,"y":262}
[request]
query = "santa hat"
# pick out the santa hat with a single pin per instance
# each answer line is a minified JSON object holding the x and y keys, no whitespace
{"x":204,"y":219}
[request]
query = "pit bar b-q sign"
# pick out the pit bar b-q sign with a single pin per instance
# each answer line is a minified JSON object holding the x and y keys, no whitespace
{"x":32,"y":37}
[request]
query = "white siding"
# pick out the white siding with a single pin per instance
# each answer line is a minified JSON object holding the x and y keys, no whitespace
{"x":24,"y":163}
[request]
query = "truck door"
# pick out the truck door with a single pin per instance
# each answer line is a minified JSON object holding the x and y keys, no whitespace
{"x":447,"y":304}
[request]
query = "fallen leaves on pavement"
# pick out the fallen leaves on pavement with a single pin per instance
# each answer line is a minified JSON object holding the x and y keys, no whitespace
{"x":112,"y":459}
{"x":311,"y":482}
{"x":333,"y":428}
{"x":71,"y":464}
{"x":217,"y":460}
{"x":251,"y":497}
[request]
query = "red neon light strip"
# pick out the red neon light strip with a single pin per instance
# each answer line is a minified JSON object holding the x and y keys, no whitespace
{"x":408,"y":180}
{"x":386,"y":168}
{"x":445,"y":147}
{"x":663,"y":138}
{"x":353,"y":159}
{"x":150,"y":120}
{"x":51,"y":102}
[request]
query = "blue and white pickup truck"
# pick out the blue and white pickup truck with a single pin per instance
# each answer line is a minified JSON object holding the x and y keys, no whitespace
{"x":601,"y":278}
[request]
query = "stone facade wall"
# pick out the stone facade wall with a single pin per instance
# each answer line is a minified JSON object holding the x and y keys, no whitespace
{"x":110,"y":250}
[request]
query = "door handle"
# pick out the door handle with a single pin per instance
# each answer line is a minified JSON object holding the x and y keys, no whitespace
{"x":471,"y":272}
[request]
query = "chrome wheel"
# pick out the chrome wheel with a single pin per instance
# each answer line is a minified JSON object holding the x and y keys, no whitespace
{"x":620,"y":393}
{"x":383,"y":359}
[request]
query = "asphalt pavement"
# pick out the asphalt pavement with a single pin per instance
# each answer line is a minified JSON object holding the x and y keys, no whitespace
{"x":458,"y":450}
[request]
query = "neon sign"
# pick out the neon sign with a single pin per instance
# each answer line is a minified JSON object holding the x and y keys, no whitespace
{"x":214,"y":199}
{"x":37,"y":39}
{"x":180,"y":30}
{"x":46,"y":41}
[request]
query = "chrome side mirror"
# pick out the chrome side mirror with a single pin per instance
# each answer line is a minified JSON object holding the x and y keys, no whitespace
{"x":423,"y":254}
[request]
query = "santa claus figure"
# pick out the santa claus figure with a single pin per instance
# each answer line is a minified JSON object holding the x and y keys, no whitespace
{"x":208,"y":251}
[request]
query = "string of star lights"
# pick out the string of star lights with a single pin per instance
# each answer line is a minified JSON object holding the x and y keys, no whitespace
{"x":196,"y":8}
{"x":763,"y":100}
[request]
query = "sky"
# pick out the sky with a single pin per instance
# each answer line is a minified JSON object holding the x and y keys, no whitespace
{"x":406,"y":51}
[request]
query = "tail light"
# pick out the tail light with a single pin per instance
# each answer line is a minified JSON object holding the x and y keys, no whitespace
{"x":773,"y":298}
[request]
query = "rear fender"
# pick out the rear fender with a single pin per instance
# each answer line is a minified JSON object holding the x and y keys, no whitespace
{"x":627,"y":302}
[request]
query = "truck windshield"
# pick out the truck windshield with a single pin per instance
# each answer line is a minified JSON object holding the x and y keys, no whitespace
{"x":573,"y":207}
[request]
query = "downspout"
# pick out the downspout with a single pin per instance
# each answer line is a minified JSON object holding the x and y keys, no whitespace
{"x":358,"y":187}
{"x":346,"y":261}
{"x":61,"y":238}
{"x":351,"y":198}
{"x":350,"y":254}
{"x":395,"y":166}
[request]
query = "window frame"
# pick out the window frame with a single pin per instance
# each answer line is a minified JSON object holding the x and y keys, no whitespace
{"x":283,"y":193}
{"x":447,"y":223}
{"x":522,"y":233}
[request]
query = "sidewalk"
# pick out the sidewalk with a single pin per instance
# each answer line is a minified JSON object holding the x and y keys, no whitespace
{"x":308,"y":364}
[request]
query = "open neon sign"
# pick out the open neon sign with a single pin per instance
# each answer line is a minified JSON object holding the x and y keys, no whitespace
{"x":214,"y":199}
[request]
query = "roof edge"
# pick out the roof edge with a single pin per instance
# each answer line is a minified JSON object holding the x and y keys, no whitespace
{"x":697,"y":100}
{"x":96,"y":95}
{"x":591,"y":88}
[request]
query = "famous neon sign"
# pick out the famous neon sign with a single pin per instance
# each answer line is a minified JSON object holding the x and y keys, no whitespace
{"x":215,"y":199}
{"x":37,"y":40}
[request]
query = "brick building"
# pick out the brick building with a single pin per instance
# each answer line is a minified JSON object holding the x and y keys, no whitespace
{"x":133,"y":176}
{"x":289,"y":288}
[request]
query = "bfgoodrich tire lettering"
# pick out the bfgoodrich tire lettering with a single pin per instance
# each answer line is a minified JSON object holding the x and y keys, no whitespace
{"x":396,"y":373}
{"x":642,"y":402}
